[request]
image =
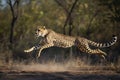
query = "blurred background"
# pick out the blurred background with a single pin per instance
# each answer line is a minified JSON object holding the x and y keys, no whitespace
{"x":96,"y":20}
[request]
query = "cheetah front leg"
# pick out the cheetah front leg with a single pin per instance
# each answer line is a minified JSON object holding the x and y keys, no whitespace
{"x":44,"y":47}
{"x":32,"y":48}
{"x":29,"y":50}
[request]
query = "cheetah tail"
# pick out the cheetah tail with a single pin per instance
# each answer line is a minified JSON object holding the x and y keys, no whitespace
{"x":101,"y":45}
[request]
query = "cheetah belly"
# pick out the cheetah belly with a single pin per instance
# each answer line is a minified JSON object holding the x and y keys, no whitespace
{"x":63,"y":43}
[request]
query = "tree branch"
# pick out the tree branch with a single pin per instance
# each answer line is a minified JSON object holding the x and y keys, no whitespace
{"x":69,"y":15}
{"x":60,"y":4}
{"x":15,"y":3}
{"x":11,"y":7}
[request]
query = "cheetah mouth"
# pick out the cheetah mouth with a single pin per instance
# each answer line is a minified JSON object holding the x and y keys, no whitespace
{"x":36,"y":35}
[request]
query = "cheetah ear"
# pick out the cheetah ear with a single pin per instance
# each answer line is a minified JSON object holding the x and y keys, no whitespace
{"x":44,"y":27}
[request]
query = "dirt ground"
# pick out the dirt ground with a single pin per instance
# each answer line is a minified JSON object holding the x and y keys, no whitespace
{"x":73,"y":73}
{"x":57,"y":76}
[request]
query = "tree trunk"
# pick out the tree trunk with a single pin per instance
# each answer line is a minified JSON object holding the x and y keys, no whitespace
{"x":12,"y":29}
{"x":14,"y":11}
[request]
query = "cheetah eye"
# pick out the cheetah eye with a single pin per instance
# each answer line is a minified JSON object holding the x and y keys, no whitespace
{"x":38,"y":30}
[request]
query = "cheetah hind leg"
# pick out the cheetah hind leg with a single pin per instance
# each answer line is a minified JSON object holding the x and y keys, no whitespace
{"x":85,"y":48}
{"x":97,"y":51}
{"x":101,"y":53}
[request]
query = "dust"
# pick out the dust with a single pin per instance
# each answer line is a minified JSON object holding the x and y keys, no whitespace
{"x":50,"y":66}
{"x":44,"y":67}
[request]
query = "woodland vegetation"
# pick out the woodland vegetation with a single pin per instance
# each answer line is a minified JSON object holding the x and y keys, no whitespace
{"x":95,"y":20}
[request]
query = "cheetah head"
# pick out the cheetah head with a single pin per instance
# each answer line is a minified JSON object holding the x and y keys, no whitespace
{"x":41,"y":31}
